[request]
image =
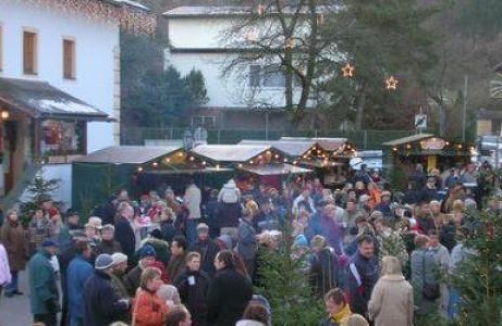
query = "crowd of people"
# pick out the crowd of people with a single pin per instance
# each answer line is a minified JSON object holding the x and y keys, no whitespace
{"x":373,"y":256}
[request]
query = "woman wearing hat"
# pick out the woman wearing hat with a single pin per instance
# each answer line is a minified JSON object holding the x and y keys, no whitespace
{"x":12,"y":235}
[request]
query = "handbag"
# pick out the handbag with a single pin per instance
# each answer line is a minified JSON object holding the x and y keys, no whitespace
{"x":430,"y":292}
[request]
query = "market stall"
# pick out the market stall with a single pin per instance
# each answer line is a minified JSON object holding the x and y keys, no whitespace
{"x":429,"y":150}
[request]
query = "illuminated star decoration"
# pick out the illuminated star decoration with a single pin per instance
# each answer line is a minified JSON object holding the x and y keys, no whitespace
{"x":391,"y":83}
{"x":348,"y":70}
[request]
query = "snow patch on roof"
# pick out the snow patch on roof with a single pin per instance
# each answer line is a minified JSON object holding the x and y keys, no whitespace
{"x":133,"y":4}
{"x":64,"y":106}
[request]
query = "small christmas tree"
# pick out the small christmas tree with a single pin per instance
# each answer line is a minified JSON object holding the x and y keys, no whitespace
{"x":283,"y":281}
{"x":478,"y":277}
{"x":39,"y":190}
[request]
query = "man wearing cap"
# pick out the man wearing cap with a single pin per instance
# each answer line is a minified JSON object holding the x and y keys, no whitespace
{"x":102,"y":306}
{"x":207,"y":248}
{"x":108,"y":245}
{"x":384,"y":205}
{"x":69,"y":228}
{"x":77,"y":274}
{"x":118,"y":271}
{"x":132,"y":279}
{"x":44,"y":296}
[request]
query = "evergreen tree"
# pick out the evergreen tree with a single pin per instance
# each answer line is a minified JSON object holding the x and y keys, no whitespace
{"x":39,"y":190}
{"x":478,"y":277}
{"x":283,"y":281}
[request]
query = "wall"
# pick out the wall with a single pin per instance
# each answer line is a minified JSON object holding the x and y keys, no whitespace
{"x":96,"y":48}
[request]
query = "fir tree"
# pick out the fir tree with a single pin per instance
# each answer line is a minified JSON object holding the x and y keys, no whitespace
{"x":284,"y":282}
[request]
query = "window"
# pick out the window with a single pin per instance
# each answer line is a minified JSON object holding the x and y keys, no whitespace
{"x":68,"y":59}
{"x":29,"y":53}
{"x":204,"y":121}
{"x":266,"y":76}
{"x":62,"y":137}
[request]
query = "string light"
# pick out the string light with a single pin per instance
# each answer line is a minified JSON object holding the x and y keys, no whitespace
{"x":140,"y":169}
{"x":155,"y":164}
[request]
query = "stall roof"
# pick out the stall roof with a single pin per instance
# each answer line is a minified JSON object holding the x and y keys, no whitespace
{"x":288,"y":147}
{"x":127,"y":154}
{"x":406,"y":140}
{"x":328,"y":144}
{"x":229,"y":153}
{"x":41,"y":100}
{"x":189,"y":171}
{"x":275,"y":169}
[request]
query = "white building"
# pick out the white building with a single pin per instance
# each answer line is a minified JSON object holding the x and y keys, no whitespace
{"x":59,"y":84}
{"x":200,"y":38}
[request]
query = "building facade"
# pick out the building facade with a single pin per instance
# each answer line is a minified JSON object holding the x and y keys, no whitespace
{"x":60,"y":85}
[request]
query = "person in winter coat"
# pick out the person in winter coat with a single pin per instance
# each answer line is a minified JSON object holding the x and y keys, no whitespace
{"x":323,"y":266}
{"x":423,"y":273}
{"x":108,"y":245}
{"x":39,"y":230}
{"x":229,"y":209}
{"x":391,"y":301}
{"x":442,"y":257}
{"x":337,"y":307}
{"x":13,"y":238}
{"x":177,"y":262}
{"x":207,"y":248}
{"x":229,"y":292}
{"x":5,"y":277}
{"x":193,"y":285}
{"x":78,"y":273}
{"x":192,"y":201}
{"x":247,"y":244}
{"x":362,"y":274}
{"x":149,"y":309}
{"x":101,"y":305}
{"x":124,"y":231}
{"x":132,"y":279}
{"x":179,"y":316}
{"x":44,"y":296}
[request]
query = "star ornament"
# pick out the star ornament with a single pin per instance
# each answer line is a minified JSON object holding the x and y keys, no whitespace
{"x":391,"y":83}
{"x":348,"y":71}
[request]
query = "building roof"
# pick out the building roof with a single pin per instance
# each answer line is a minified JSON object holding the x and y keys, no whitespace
{"x":222,"y":11}
{"x":133,"y":4}
{"x":128,"y":154}
{"x":287,"y":147}
{"x":328,"y":144}
{"x":229,"y":153}
{"x":406,"y":140}
{"x":41,"y":100}
{"x":275,"y":169}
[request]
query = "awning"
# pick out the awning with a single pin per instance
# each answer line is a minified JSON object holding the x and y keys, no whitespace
{"x":229,"y":153}
{"x":128,"y":154}
{"x":274,"y":169}
{"x":406,"y":140}
{"x":41,"y":100}
{"x":328,"y":144}
{"x":290,"y":148}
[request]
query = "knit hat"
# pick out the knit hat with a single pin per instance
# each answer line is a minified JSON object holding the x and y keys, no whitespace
{"x":118,"y":258}
{"x":202,"y":227}
{"x":50,"y":243}
{"x":94,"y":222}
{"x":147,"y":251}
{"x":385,"y":193}
{"x":103,"y":261}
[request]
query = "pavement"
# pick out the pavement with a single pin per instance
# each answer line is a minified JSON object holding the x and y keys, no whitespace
{"x":15,"y":311}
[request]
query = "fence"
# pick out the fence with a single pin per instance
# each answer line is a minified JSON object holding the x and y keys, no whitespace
{"x":364,"y":139}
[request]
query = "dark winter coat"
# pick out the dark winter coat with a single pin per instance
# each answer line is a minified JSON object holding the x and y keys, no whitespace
{"x":194,"y":294}
{"x":360,"y":290}
{"x":228,"y":296}
{"x":324,"y":271}
{"x":207,"y":250}
{"x":108,"y":247}
{"x":13,"y":239}
{"x":246,"y":242}
{"x":132,"y":280}
{"x":101,"y":304}
{"x":77,"y":275}
{"x":124,"y":234}
{"x":229,"y":214}
{"x":176,"y":266}
{"x":42,"y":282}
{"x":168,"y":230}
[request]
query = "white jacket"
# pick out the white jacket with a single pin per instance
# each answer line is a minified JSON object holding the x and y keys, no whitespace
{"x":5,"y":276}
{"x":192,"y":200}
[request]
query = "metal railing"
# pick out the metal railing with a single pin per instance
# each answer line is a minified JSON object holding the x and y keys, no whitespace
{"x":364,"y":139}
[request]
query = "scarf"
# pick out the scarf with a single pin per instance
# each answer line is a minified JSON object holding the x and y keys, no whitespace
{"x":342,"y":314}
